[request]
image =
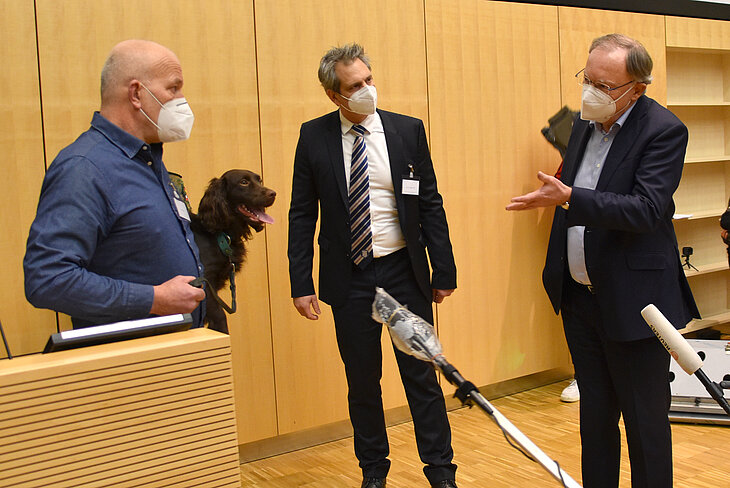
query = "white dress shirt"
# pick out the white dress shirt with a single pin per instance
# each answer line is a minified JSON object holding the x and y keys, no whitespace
{"x":384,"y":223}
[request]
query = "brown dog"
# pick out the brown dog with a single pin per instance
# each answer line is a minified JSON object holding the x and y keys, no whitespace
{"x":232,"y":205}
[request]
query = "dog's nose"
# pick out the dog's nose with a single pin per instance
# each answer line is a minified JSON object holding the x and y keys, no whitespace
{"x":271,"y":193}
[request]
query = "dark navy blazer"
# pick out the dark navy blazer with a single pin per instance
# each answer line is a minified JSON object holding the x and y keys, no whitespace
{"x":319,"y":181}
{"x":630,"y":246}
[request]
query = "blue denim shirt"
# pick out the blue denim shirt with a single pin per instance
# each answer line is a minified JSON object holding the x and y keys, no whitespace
{"x":107,"y":229}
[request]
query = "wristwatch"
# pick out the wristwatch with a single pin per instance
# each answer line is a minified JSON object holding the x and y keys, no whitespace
{"x":565,"y":205}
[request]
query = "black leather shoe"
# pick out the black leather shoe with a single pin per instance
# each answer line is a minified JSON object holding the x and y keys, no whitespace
{"x":445,"y":484}
{"x":373,"y":483}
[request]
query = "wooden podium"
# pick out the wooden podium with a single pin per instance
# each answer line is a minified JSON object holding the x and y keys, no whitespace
{"x":149,"y":412}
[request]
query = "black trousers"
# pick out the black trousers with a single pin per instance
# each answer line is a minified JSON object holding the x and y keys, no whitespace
{"x":629,"y":379}
{"x":358,"y":339}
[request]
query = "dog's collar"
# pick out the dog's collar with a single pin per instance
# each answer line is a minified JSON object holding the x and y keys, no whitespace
{"x":224,"y":244}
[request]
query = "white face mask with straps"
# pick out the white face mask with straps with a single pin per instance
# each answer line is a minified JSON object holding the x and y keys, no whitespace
{"x":175,"y":121}
{"x":598,"y":105}
{"x":363,"y":101}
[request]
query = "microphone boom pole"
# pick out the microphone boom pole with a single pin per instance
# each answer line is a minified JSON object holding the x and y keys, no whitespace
{"x":414,"y":336}
{"x":468,"y":393}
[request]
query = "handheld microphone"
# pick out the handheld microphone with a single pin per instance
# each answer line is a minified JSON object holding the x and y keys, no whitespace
{"x":682,"y":352}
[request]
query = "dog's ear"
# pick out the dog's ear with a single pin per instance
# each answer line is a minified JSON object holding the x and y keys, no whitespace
{"x":213,"y":208}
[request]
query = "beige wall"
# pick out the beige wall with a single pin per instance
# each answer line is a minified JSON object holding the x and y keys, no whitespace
{"x":484,"y":77}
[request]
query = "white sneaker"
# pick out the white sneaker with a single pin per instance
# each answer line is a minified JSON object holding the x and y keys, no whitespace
{"x":570,"y":393}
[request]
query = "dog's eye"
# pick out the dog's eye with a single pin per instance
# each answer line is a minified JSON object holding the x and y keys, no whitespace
{"x":244,"y":183}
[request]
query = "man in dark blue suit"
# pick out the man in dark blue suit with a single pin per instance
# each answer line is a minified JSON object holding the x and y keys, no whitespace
{"x":612,"y":251}
{"x":369,"y":173}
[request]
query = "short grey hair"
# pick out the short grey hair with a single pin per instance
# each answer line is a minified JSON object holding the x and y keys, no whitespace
{"x":346,"y":54}
{"x":638,"y":61}
{"x":109,"y":74}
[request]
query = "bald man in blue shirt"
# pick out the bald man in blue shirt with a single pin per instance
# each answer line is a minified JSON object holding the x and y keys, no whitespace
{"x":111,"y":239}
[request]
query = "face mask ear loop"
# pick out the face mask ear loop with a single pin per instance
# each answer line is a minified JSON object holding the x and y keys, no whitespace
{"x":153,"y":95}
{"x":617,"y":112}
{"x":156,"y":100}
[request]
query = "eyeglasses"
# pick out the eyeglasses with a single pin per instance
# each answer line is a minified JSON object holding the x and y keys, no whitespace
{"x":582,"y":79}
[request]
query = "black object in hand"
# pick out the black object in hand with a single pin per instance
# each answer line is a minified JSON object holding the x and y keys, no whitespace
{"x":198,"y":282}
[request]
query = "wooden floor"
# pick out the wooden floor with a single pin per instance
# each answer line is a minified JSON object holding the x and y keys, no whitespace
{"x":701,"y":452}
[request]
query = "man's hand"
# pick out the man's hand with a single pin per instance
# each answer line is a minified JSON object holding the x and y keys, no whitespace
{"x":552,"y":192}
{"x":439,"y":295}
{"x":308,"y":306}
{"x":176,"y":296}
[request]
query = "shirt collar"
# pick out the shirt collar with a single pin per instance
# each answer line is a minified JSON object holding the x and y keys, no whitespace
{"x":372,"y":123}
{"x":619,"y":122}
{"x":125,"y":141}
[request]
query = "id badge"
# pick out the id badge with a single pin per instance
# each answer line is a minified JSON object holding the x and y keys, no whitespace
{"x":182,"y":210}
{"x":410,"y":183}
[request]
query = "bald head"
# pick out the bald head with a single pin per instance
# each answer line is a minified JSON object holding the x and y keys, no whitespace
{"x":133,"y":60}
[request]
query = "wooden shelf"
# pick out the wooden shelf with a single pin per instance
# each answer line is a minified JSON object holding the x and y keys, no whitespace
{"x":695,"y":50}
{"x":706,"y":269}
{"x":705,"y":214}
{"x":707,"y":159}
{"x":698,"y":92}
{"x":708,"y":103}
{"x":709,"y":321}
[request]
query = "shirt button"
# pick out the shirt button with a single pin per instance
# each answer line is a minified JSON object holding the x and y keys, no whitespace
{"x":188,"y":240}
{"x":144,"y":148}
{"x":149,"y":163}
{"x":605,"y":139}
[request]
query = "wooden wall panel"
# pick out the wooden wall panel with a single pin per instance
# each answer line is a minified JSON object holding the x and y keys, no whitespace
{"x":493,"y":71}
{"x":578,"y":27}
{"x":21,"y":144}
{"x":697,"y":33}
{"x":292,"y":36}
{"x":215,"y":43}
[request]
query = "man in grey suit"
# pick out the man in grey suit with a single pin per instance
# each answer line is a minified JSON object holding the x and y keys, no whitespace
{"x":369,"y":173}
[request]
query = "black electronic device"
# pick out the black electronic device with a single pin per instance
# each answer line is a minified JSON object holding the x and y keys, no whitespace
{"x":118,"y":331}
{"x":559,"y":127}
{"x":686,"y":253}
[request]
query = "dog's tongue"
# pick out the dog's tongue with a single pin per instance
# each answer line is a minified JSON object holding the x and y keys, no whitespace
{"x":257,"y":214}
{"x":263,"y":216}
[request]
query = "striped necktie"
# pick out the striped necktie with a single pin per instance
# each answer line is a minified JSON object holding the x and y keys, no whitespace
{"x":361,"y":240}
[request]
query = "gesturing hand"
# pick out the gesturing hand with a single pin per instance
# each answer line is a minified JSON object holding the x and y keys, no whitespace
{"x":552,"y":192}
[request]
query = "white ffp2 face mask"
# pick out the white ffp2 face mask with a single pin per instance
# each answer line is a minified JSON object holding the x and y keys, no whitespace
{"x":175,"y":120}
{"x":597,"y":105}
{"x":363,"y":101}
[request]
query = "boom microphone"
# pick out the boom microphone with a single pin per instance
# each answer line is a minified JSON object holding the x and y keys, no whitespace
{"x":409,"y":332}
{"x":682,"y":352}
{"x":416,"y":337}
{"x":672,"y":340}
